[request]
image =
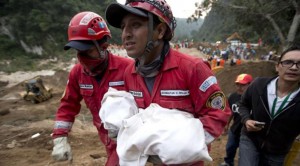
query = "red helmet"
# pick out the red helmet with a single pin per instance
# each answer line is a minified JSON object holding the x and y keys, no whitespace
{"x":158,"y":7}
{"x":115,"y":12}
{"x":87,"y":26}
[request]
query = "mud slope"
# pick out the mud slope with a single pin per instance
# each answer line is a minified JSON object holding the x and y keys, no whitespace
{"x":227,"y":76}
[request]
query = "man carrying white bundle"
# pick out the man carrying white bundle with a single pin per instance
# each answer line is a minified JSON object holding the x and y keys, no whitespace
{"x":174,"y":136}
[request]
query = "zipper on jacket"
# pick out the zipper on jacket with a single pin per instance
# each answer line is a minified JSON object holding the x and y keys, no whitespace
{"x":268,"y":112}
{"x":268,"y":130}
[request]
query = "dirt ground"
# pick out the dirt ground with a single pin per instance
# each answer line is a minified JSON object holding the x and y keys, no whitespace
{"x":20,"y":120}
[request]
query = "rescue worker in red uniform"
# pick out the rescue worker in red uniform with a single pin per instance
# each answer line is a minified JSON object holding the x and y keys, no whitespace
{"x":163,"y":75}
{"x":89,"y":80}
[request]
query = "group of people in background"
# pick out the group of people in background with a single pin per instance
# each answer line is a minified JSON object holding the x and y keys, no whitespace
{"x":183,"y":43}
{"x":157,"y":73}
{"x":235,"y":54}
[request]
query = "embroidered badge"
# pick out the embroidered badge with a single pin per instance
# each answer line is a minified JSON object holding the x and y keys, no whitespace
{"x":174,"y":92}
{"x":216,"y":101}
{"x":136,"y":94}
{"x":208,"y":83}
{"x":86,"y":86}
{"x":116,"y":83}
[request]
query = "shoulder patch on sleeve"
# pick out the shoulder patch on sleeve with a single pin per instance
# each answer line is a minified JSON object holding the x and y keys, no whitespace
{"x":208,"y":83}
{"x":216,"y":101}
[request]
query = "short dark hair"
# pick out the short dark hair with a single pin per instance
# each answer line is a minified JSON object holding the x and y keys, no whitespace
{"x":292,"y":47}
{"x":156,"y":20}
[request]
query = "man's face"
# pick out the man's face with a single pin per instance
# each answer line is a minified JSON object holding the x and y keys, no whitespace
{"x":134,"y":34}
{"x":289,"y":67}
{"x":241,"y":88}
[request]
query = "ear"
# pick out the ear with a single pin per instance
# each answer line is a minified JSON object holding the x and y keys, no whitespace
{"x":161,"y":30}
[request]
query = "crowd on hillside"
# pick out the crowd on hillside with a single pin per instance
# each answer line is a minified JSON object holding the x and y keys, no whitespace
{"x":234,"y":54}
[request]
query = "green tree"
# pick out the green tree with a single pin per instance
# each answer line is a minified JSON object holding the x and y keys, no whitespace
{"x":283,"y":17}
{"x":41,"y":23}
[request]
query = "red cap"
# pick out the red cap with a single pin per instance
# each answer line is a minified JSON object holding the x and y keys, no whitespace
{"x":243,"y":79}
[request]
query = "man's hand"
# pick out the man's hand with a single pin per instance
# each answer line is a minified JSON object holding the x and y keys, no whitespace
{"x":62,"y":149}
{"x":251,"y":125}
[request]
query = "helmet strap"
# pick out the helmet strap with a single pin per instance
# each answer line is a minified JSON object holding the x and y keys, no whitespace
{"x":102,"y":52}
{"x":150,"y":44}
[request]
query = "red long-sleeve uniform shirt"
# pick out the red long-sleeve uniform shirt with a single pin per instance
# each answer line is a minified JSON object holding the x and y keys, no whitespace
{"x":82,"y":86}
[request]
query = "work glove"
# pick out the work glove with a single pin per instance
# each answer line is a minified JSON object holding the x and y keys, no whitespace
{"x":62,"y":149}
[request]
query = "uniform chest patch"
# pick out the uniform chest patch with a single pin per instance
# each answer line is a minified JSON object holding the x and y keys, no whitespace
{"x":86,"y":86}
{"x":174,"y":92}
{"x":136,"y":93}
{"x":216,"y":101}
{"x":208,"y":83}
{"x":116,"y":83}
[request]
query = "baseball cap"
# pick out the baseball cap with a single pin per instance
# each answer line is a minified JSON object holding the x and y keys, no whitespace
{"x":243,"y":79}
{"x":80,"y":45}
{"x":115,"y":12}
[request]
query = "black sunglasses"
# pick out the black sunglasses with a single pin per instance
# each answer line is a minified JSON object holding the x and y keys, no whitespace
{"x":290,"y":63}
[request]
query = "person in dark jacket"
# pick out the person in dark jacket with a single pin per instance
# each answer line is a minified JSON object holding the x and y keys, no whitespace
{"x":241,"y":83}
{"x":270,"y":111}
